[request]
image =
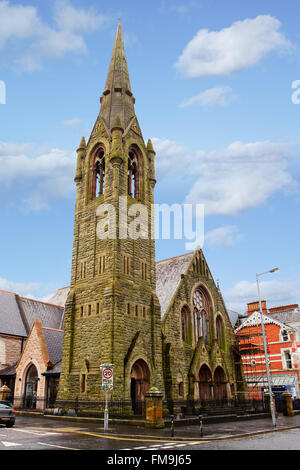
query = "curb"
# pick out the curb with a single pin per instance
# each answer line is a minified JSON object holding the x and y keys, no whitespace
{"x":160,"y":438}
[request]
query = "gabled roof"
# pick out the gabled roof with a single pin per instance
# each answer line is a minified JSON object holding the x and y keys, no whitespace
{"x":233,"y":317}
{"x":11,"y":320}
{"x":54,"y":342}
{"x":50,"y":315}
{"x":255,"y":319}
{"x":168,"y":276}
{"x":17,"y":314}
{"x":60,"y":297}
{"x":286,"y":316}
{"x":9,"y":371}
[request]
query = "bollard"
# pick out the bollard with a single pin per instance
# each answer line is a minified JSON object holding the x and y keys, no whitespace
{"x":172,"y":425}
{"x":201,"y":425}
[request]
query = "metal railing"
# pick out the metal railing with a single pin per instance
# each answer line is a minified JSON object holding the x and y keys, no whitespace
{"x":121,"y":408}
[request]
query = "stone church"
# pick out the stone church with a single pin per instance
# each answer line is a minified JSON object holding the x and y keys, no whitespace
{"x":161,"y":324}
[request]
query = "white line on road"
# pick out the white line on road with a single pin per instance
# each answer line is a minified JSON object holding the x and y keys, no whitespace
{"x":53,"y":445}
{"x":10,"y":444}
{"x":37,"y":433}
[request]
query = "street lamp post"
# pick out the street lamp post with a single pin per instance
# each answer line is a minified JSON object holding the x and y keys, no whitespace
{"x":265,"y":345}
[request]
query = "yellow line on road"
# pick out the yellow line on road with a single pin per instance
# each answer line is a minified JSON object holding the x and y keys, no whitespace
{"x":117,"y":438}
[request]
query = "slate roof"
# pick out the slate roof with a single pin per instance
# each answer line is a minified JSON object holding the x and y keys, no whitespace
{"x":8,"y":371}
{"x":11,"y":321}
{"x":54,"y":370}
{"x":233,"y":317}
{"x":50,"y":315}
{"x":286,"y":316}
{"x":54,"y":341}
{"x":17,"y":314}
{"x":168,"y":275}
{"x":60,"y":297}
{"x":255,"y":319}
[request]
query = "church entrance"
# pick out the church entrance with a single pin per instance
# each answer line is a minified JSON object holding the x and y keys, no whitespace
{"x":205,"y":381}
{"x":140,"y":382}
{"x":220,"y":391}
{"x":30,"y":395}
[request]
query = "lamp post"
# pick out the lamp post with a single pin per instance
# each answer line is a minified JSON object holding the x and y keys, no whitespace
{"x":265,"y":345}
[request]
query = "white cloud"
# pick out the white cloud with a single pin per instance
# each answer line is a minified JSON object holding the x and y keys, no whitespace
{"x":18,"y":287}
{"x":18,"y":21}
{"x":214,"y":97}
{"x":227,"y":235}
{"x":50,"y":174}
{"x":70,"y":19}
{"x":275,"y":292}
{"x":23,"y":22}
{"x":242,"y":176}
{"x":231,"y":49}
{"x":169,"y":155}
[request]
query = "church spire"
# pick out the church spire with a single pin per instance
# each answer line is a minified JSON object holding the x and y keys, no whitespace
{"x":117,"y":98}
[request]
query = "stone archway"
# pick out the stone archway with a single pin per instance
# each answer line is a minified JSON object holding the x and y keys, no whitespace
{"x":220,"y":389}
{"x":139,"y":385}
{"x":31,"y":384}
{"x":205,"y":380}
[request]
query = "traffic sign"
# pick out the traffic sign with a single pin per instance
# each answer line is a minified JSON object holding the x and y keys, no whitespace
{"x":107,"y":373}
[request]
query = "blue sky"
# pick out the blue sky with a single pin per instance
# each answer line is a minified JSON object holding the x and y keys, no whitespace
{"x":213,"y":88}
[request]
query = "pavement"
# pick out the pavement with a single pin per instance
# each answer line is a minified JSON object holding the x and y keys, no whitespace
{"x":218,"y":428}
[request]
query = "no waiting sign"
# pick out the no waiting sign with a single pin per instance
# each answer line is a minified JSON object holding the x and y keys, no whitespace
{"x":107,"y":373}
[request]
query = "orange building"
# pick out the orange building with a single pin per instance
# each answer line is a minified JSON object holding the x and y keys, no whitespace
{"x":283,"y":347}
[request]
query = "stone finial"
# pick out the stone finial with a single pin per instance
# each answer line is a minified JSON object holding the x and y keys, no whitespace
{"x":82,"y":145}
{"x":150,"y":147}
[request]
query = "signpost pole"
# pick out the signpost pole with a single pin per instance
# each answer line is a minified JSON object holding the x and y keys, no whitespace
{"x":107,"y":373}
{"x":106,"y":412}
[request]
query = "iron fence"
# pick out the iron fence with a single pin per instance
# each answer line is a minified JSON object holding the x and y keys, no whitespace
{"x":128,"y":409}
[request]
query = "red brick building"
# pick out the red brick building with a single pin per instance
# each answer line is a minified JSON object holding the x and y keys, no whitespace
{"x":283,"y":346}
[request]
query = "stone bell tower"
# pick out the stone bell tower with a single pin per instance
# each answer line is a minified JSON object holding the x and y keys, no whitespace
{"x":112,"y":311}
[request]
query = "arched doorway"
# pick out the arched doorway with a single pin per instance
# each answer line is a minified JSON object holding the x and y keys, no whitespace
{"x":31,"y":382}
{"x":139,"y":385}
{"x":220,"y":390}
{"x":205,"y":380}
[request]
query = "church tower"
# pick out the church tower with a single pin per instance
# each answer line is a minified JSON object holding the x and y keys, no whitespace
{"x":112,"y":312}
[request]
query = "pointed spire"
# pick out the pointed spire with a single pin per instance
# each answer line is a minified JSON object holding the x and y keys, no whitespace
{"x":117,"y":98}
{"x":82,"y":144}
{"x":150,"y":146}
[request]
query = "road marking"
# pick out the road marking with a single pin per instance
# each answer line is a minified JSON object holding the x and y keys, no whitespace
{"x":10,"y":444}
{"x":134,"y":439}
{"x":53,"y":445}
{"x":36,"y":433}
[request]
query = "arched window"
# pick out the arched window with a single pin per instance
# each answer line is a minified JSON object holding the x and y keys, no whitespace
{"x":202,"y":307}
{"x":180,"y":385}
{"x":31,"y":384}
{"x":219,"y":330}
{"x":98,"y":173}
{"x":134,"y":174}
{"x":185,"y":316}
